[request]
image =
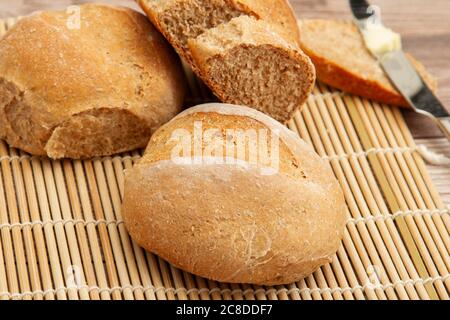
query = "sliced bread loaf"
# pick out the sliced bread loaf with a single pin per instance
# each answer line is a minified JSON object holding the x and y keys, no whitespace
{"x":343,"y":61}
{"x":180,"y":20}
{"x":270,"y":73}
{"x":246,"y":62}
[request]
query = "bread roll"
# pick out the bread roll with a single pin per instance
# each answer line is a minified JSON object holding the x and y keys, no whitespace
{"x":245,"y":62}
{"x":88,"y":85}
{"x":244,"y":200}
{"x":342,"y":61}
{"x":247,"y":52}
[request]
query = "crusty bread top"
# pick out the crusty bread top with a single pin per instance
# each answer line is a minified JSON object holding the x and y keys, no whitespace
{"x":115,"y":59}
{"x":337,"y":49}
{"x":65,"y":65}
{"x":294,"y":151}
{"x":291,"y":140}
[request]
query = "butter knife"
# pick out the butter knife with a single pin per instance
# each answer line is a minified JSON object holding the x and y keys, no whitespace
{"x":385,"y":45}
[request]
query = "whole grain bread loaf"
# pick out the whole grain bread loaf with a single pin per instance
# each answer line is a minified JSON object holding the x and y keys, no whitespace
{"x":247,"y":52}
{"x":88,"y":85}
{"x":342,"y":60}
{"x":257,"y":204}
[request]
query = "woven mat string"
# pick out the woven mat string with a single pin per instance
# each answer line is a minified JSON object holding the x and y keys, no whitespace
{"x":433,"y":158}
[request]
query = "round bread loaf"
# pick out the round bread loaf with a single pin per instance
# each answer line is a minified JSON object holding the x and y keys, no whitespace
{"x":203,"y":201}
{"x":86,"y":83}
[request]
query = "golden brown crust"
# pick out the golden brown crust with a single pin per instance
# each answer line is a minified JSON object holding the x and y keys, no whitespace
{"x":231,"y":223}
{"x":114,"y":60}
{"x":337,"y":74}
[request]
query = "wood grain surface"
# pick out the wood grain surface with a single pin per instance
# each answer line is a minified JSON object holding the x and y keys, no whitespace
{"x":424,"y":25}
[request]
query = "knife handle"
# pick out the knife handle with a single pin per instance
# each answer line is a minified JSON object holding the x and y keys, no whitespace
{"x":444,"y":125}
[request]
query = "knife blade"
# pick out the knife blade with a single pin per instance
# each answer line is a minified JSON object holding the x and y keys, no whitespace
{"x":399,"y":69}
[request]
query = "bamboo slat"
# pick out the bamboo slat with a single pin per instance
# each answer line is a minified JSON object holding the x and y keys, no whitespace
{"x":62,"y":235}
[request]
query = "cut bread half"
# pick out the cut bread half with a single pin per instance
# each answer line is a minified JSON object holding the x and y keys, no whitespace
{"x":180,"y":20}
{"x":246,"y":62}
{"x":343,"y":61}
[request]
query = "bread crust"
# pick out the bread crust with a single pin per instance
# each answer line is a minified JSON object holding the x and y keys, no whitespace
{"x":114,"y":60}
{"x":336,"y":74}
{"x":231,"y":223}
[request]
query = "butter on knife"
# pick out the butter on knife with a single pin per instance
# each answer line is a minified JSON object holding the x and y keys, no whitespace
{"x":380,"y":39}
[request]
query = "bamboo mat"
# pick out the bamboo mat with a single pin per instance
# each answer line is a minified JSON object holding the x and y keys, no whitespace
{"x":62,"y":234}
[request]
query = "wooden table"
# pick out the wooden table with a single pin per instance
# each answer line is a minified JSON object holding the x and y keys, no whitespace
{"x":424,"y":25}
